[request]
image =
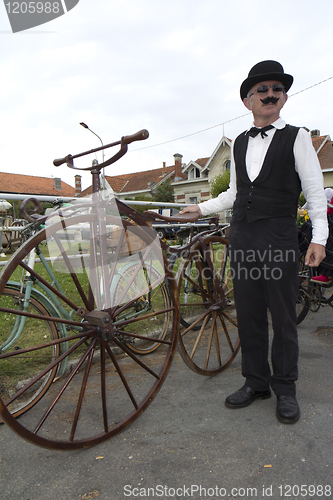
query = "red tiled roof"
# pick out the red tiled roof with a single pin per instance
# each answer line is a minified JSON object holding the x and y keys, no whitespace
{"x":31,"y":184}
{"x":325,"y":155}
{"x":137,"y":181}
{"x":202,"y":161}
{"x":317,"y":141}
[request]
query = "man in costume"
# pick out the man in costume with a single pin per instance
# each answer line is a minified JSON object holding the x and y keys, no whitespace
{"x":271,"y":163}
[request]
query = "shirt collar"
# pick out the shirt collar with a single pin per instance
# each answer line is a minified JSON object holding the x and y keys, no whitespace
{"x":278,"y":124}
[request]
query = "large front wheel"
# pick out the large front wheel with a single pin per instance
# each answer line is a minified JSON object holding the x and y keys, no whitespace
{"x":105,"y":386}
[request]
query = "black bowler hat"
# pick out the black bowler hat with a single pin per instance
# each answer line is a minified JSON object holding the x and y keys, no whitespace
{"x":265,"y":70}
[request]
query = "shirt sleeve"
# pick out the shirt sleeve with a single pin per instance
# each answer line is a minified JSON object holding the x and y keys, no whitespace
{"x":309,"y":171}
{"x":226,"y":199}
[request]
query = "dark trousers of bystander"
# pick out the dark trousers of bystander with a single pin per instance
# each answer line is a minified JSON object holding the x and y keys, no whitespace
{"x":264,"y":260}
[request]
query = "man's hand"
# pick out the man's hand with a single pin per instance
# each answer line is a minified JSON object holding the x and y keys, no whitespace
{"x":191,"y":208}
{"x":315,"y":254}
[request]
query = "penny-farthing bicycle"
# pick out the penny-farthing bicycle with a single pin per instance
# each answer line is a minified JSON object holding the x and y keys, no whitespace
{"x":122,"y":300}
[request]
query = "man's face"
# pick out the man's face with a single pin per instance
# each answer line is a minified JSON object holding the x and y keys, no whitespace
{"x":265,"y":113}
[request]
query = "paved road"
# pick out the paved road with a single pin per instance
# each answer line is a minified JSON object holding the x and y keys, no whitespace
{"x":189,"y":445}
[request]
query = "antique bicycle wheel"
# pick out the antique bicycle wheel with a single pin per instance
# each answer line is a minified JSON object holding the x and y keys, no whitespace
{"x":209,"y":340}
{"x":105,"y":386}
{"x":17,"y":333}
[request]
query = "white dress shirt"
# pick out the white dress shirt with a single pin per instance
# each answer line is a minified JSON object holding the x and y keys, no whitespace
{"x":307,"y":166}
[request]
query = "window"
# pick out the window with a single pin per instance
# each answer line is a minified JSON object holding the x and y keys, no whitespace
{"x":194,"y":173}
{"x":227,"y":165}
{"x":193,"y":200}
{"x":57,"y":183}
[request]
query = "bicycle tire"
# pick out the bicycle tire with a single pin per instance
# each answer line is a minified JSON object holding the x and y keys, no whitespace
{"x":106,"y":386}
{"x":20,"y":372}
{"x":213,"y":346}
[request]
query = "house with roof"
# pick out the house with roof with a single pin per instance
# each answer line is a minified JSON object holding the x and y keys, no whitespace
{"x":198,"y":174}
{"x":324,"y":149}
{"x":127,"y":186}
{"x":190,"y":181}
{"x":34,"y":185}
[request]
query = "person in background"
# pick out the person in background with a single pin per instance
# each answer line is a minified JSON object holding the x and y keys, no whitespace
{"x":271,"y":163}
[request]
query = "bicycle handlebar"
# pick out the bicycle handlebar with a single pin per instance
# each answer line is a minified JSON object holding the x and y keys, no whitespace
{"x":125,"y":140}
{"x":139,"y":136}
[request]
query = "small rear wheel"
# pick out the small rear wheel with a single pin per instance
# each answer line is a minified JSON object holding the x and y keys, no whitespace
{"x":208,"y":338}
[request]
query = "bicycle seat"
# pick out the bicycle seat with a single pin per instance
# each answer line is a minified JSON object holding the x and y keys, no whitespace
{"x":187,"y":217}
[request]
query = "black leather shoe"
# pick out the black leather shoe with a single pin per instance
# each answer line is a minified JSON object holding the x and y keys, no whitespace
{"x":287,"y":409}
{"x":245,"y":396}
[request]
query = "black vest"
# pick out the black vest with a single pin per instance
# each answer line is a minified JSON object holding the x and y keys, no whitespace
{"x":275,"y":192}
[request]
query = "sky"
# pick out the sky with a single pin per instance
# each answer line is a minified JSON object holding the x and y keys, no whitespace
{"x":172,"y":67}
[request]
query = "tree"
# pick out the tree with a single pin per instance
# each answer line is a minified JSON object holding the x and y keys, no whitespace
{"x":220,"y":183}
{"x":164,"y":192}
{"x":141,"y":197}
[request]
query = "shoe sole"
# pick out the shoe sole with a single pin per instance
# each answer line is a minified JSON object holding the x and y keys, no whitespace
{"x":244,"y":405}
{"x":287,"y":420}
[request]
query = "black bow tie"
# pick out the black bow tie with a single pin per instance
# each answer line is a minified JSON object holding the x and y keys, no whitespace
{"x":255,"y":131}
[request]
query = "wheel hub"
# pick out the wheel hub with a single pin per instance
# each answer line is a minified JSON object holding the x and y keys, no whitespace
{"x":101,"y":320}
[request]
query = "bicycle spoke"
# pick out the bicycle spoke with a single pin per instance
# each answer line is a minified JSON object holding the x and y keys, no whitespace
{"x":120,"y":373}
{"x":136,"y":359}
{"x":202,"y":329}
{"x":43,"y":372}
{"x":90,"y":353}
{"x":103,"y":387}
{"x":62,"y":390}
{"x":72,"y":273}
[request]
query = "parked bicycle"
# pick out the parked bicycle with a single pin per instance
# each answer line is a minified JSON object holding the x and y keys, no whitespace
{"x":312,"y":295}
{"x":118,"y":293}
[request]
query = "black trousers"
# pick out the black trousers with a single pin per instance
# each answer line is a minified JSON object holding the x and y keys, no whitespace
{"x":264,"y":259}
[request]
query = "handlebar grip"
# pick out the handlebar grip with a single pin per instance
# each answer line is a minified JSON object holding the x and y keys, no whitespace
{"x":139,"y":136}
{"x":60,"y":161}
